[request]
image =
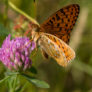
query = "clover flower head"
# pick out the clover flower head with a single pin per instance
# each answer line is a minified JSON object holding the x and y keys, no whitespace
{"x":15,"y":53}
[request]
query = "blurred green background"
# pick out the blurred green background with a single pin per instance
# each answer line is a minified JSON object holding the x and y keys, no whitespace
{"x":77,"y":77}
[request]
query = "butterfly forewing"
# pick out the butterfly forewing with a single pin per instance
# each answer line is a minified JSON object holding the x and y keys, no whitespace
{"x":61,"y":23}
{"x":56,"y":48}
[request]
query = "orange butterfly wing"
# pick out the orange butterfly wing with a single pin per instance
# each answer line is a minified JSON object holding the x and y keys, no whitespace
{"x":56,"y":48}
{"x":61,"y":23}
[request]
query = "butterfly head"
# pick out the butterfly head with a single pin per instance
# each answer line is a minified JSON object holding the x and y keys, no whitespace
{"x":35,"y":31}
{"x":34,"y":27}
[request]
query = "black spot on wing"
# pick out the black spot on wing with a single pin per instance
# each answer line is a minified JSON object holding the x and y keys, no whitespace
{"x":51,"y":21}
{"x":62,"y":11}
{"x":58,"y":24}
{"x":58,"y":18}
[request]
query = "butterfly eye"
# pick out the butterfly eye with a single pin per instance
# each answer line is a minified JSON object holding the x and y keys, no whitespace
{"x":36,"y":29}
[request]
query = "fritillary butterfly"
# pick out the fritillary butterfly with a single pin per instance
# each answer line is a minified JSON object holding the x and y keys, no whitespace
{"x":54,"y":34}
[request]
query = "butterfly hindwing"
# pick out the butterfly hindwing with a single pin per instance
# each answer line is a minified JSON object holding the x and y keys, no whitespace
{"x":61,"y":23}
{"x":56,"y":48}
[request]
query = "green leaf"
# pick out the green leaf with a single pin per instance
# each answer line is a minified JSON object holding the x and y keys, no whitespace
{"x":38,"y":83}
{"x":9,"y":73}
{"x":1,"y":81}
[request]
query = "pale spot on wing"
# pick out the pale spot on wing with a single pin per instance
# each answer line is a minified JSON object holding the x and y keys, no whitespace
{"x":48,"y":41}
{"x":55,"y":47}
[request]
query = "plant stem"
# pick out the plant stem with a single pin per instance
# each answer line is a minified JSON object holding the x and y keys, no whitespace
{"x":21,"y":12}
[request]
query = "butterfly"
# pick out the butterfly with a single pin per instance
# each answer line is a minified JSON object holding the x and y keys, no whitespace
{"x":53,"y":35}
